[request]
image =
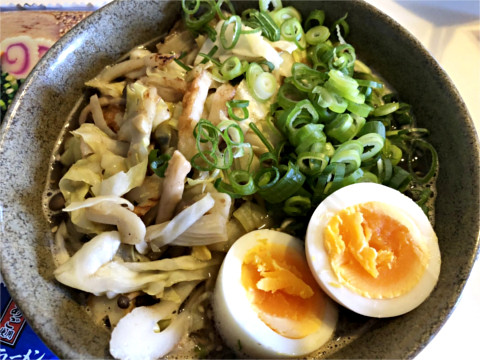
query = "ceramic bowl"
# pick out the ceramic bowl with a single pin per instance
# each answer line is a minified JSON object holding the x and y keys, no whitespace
{"x":31,"y":131}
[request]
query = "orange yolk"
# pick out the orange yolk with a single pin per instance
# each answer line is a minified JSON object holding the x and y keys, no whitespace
{"x":374,"y":251}
{"x":282,"y":290}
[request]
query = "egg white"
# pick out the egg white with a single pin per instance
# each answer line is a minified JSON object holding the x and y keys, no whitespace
{"x":318,"y":259}
{"x":237,"y":321}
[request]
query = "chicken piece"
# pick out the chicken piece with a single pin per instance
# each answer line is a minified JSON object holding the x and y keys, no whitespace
{"x":224,"y":93}
{"x":177,"y":170}
{"x":193,"y":103}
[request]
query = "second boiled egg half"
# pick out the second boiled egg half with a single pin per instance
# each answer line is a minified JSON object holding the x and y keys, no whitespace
{"x":267,"y":303}
{"x":373,"y":250}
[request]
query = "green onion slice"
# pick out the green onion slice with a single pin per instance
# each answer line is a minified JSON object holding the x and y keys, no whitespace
{"x":386,"y":109}
{"x":297,"y":205}
{"x":262,"y":85}
{"x":158,"y":162}
{"x":317,"y":16}
{"x":237,"y":27}
{"x":238,"y":104}
{"x":419,"y":147}
{"x":209,"y":56}
{"x":305,"y":78}
{"x":265,"y":4}
{"x":288,"y":95}
{"x":292,"y":119}
{"x":400,"y":179}
{"x":218,"y":8}
{"x":317,"y":35}
{"x":292,"y":30}
{"x":232,"y":68}
{"x":312,"y":163}
{"x":194,"y":9}
{"x":349,"y":153}
{"x":287,"y":185}
{"x":372,"y":145}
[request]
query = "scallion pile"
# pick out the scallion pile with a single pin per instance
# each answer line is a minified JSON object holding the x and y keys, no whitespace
{"x":339,"y":125}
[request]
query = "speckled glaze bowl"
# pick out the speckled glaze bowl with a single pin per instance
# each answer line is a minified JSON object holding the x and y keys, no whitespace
{"x":30,"y":133}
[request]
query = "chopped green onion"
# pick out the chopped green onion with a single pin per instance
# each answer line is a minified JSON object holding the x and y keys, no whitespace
{"x":297,"y":205}
{"x":187,"y":10}
{"x":312,"y":163}
{"x":317,"y":35}
{"x":414,"y":156}
{"x":306,"y":136}
{"x":238,"y":104}
{"x":292,"y":30}
{"x":369,"y":83}
{"x":268,"y":64}
{"x":315,"y":16}
{"x":262,"y":85}
{"x":339,"y":104}
{"x":342,"y":128}
{"x":305,"y":78}
{"x":373,"y":126}
{"x":372,"y":145}
{"x":232,"y":68}
{"x":207,"y":13}
{"x":158,"y":162}
{"x":265,"y":4}
{"x":283,"y":14}
{"x":321,"y":97}
{"x":291,"y":119}
{"x":241,"y":183}
{"x":349,"y":153}
{"x":330,"y":179}
{"x":386,"y":109}
{"x":342,"y":58}
{"x":262,"y":20}
{"x":209,"y":56}
{"x":212,"y":158}
{"x":288,"y":95}
{"x":343,"y":23}
{"x":262,"y":137}
{"x":182,"y":65}
{"x":345,"y":86}
{"x":237,"y":27}
{"x":362,"y":110}
{"x":218,"y":8}
{"x":287,"y":185}
{"x":400,"y":179}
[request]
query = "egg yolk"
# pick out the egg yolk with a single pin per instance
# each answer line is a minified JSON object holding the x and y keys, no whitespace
{"x":282,"y":290}
{"x":374,"y":251}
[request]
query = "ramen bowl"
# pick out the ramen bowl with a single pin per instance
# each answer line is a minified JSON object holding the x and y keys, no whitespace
{"x":53,"y":92}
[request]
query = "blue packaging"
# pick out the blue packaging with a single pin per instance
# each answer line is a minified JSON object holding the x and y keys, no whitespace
{"x":17,"y":339}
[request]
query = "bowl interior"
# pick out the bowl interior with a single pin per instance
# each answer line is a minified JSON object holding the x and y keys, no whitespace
{"x":30,"y":133}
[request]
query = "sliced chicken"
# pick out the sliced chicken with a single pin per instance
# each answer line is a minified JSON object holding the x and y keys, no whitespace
{"x":193,"y":104}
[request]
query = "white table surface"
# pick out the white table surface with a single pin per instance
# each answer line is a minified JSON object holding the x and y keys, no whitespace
{"x":450,"y":30}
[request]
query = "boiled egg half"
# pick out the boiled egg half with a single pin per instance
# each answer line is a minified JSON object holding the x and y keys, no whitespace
{"x":373,"y":250}
{"x":266,"y":302}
